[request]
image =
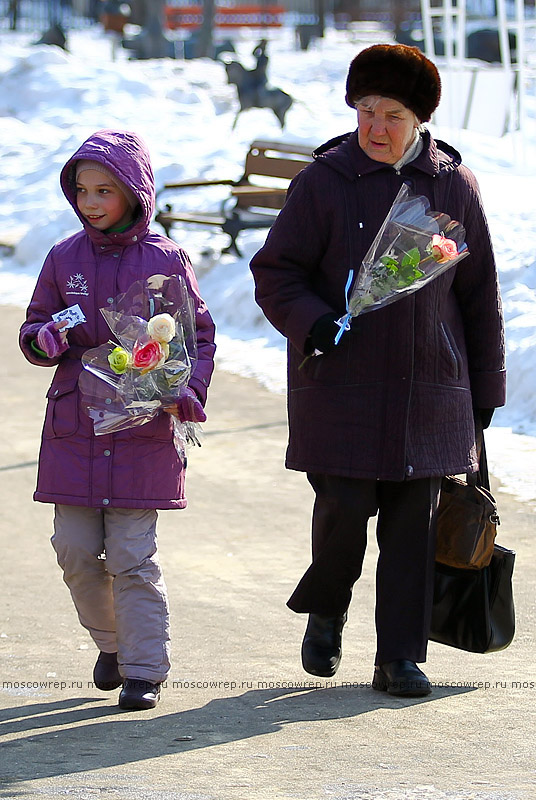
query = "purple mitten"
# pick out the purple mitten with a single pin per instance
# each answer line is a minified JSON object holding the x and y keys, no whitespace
{"x":49,"y":340}
{"x":189,"y":407}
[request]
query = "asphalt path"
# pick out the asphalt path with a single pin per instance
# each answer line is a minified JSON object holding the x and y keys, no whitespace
{"x":239,"y":719}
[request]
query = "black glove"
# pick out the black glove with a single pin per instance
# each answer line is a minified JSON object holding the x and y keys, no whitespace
{"x":323,"y":333}
{"x":485,"y":415}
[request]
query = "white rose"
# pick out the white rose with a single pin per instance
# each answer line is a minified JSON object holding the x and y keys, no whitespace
{"x":161,"y":327}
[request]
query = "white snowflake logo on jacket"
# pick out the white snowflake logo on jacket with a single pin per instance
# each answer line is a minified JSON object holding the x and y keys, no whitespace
{"x":77,"y":284}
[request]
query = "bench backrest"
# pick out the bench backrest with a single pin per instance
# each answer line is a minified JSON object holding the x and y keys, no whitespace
{"x":272,"y":165}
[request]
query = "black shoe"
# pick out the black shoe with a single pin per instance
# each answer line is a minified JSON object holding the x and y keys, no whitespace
{"x":402,"y":678}
{"x":322,"y":645}
{"x":137,"y":694}
{"x":106,"y":673}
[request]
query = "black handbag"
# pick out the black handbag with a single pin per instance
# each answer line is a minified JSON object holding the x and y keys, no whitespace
{"x":473,"y":609}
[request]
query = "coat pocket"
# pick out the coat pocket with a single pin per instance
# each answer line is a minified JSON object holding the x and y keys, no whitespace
{"x":452,"y":358}
{"x":61,"y":417}
{"x":158,"y":428}
{"x":327,"y":369}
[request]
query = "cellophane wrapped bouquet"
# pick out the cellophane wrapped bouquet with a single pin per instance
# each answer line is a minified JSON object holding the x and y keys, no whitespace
{"x":413,"y":246}
{"x":127,"y":382}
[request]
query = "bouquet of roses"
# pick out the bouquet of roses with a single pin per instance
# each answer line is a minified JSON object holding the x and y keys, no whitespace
{"x":413,"y":246}
{"x":127,"y":382}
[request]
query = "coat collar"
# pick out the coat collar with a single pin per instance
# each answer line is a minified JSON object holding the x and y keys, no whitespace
{"x":344,"y":154}
{"x":133,"y":234}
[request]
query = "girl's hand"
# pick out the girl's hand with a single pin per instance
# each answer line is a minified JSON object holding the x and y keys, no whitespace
{"x":63,"y":333}
{"x":188,"y":407}
{"x":52,"y":338}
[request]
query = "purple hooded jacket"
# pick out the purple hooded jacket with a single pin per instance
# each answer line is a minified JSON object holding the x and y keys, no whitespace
{"x":139,"y":467}
{"x":394,"y":400}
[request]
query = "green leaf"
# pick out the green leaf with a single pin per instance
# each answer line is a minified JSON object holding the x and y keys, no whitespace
{"x":412,"y":257}
{"x":390,"y":263}
{"x":408,"y":275}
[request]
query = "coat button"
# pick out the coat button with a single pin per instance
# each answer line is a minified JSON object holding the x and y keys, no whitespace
{"x":115,"y":255}
{"x":56,"y":392}
{"x":110,"y":300}
{"x":107,"y":452}
{"x":105,"y":502}
{"x":108,"y":401}
{"x":134,"y":238}
{"x":409,"y":471}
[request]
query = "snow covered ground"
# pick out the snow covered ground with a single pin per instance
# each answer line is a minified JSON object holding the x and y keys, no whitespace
{"x":50,"y":101}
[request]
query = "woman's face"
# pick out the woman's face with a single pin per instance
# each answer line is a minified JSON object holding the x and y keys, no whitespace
{"x":386,"y":128}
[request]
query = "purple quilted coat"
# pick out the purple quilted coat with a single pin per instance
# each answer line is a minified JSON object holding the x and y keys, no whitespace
{"x":136,"y":468}
{"x":394,"y":399}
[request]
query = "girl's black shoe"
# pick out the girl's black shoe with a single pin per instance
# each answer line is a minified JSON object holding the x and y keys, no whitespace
{"x":139,"y":695}
{"x":106,"y":672}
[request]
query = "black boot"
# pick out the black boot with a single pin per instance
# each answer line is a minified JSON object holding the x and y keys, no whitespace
{"x":322,"y":645}
{"x":106,"y":673}
{"x":139,"y":695}
{"x":402,"y":678}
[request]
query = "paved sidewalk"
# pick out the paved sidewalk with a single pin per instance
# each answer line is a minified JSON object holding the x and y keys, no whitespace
{"x":239,"y":719}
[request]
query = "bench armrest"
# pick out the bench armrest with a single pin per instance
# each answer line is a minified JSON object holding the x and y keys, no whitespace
{"x":257,"y":191}
{"x":193,"y":183}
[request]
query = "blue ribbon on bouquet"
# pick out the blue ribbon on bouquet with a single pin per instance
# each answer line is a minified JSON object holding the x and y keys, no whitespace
{"x":344,"y":322}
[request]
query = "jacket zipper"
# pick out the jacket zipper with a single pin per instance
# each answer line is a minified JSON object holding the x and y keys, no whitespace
{"x":411,"y":379}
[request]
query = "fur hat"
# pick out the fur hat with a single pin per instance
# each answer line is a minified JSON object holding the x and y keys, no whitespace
{"x":87,"y":163}
{"x":397,"y":71}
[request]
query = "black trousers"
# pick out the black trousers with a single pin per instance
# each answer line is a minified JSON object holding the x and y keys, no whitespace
{"x":405,"y":532}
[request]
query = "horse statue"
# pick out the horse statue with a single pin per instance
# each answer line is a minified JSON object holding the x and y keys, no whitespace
{"x":252,"y":86}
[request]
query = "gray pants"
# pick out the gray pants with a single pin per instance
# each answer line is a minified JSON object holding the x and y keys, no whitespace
{"x":110,"y":564}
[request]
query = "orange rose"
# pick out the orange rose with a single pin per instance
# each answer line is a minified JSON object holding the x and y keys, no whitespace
{"x":442,"y":249}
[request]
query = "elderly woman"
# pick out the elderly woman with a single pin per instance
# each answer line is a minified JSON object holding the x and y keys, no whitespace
{"x":378,"y":419}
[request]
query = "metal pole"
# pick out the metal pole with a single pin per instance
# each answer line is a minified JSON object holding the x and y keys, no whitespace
{"x":427,"y":29}
{"x":504,"y":43}
{"x":13,"y":13}
{"x":321,"y":13}
{"x":448,"y":19}
{"x":521,"y":67}
{"x":204,"y":43}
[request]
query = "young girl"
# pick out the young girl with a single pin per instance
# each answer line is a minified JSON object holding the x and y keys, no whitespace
{"x":106,"y":489}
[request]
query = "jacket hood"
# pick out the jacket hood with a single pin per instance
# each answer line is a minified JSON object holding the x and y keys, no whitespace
{"x":126,"y":155}
{"x":344,"y":155}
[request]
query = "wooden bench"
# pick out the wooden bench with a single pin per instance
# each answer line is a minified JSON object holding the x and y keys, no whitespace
{"x":253,"y":201}
{"x":10,"y":238}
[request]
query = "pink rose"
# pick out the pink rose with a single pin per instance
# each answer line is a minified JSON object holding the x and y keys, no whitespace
{"x":148,"y":355}
{"x":443,"y":249}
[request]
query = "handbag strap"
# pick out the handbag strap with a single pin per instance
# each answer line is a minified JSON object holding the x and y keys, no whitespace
{"x":480,"y":478}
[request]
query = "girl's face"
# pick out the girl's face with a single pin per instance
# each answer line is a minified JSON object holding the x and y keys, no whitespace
{"x":101,"y":202}
{"x":386,"y":128}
